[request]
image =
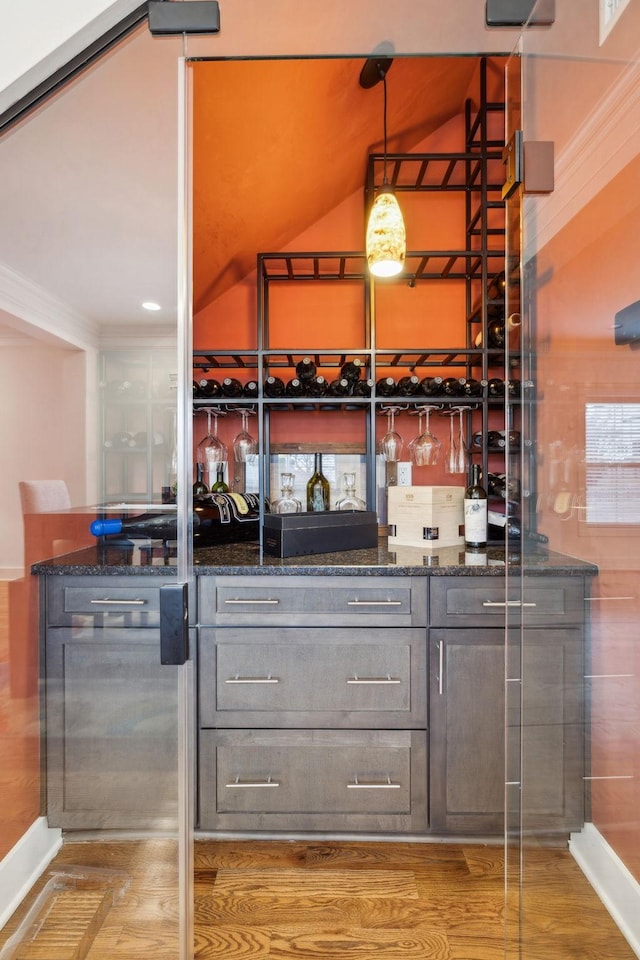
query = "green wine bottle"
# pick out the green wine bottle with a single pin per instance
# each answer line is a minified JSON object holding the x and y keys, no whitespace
{"x":318,"y":488}
{"x":199,"y":486}
{"x":220,"y":486}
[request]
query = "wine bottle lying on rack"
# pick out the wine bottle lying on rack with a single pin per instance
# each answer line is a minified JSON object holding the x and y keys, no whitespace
{"x":501,"y":527}
{"x":386,"y":387}
{"x":217,"y":518}
{"x":274,"y":387}
{"x":351,"y":370}
{"x":305,"y":369}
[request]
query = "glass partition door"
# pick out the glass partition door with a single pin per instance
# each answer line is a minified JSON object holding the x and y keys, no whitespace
{"x":579,"y":650}
{"x":94,"y":731}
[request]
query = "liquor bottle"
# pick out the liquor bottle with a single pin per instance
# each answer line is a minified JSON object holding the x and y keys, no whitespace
{"x":231,"y":388}
{"x":408,"y":386}
{"x":339,"y":388}
{"x":431,"y":386}
{"x":453,"y":386}
{"x":386,"y":387}
{"x":274,"y":387}
{"x":362,"y":388}
{"x":475,"y":511}
{"x":250,"y":390}
{"x":199,"y":487}
{"x":220,"y":486}
{"x":351,"y":370}
{"x":305,"y":369}
{"x":209,"y":388}
{"x":317,"y":387}
{"x":295,"y":388}
{"x":318,"y":488}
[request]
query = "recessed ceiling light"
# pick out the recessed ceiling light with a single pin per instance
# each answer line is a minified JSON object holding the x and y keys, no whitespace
{"x":151,"y":305}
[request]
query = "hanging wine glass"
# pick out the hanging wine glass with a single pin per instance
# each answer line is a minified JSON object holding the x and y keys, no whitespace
{"x":424,"y":449}
{"x":245,"y":446}
{"x":462,"y":455}
{"x":211,"y":450}
{"x":390,"y":445}
{"x":452,"y":457}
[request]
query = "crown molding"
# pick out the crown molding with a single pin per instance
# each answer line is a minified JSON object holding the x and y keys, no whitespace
{"x":605,"y":143}
{"x":34,"y":312}
{"x":146,"y":336}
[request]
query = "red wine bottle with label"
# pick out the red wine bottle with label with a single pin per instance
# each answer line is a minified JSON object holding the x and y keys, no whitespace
{"x":475,"y":511}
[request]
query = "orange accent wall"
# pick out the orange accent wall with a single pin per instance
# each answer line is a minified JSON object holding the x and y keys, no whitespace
{"x":587,"y":273}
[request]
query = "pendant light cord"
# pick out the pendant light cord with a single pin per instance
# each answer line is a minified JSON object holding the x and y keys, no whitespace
{"x":384,"y":116}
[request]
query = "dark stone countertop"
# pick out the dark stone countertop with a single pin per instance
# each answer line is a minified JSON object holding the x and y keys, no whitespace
{"x":244,"y":558}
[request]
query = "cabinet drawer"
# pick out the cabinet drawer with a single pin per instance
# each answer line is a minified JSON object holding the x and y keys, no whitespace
{"x":305,"y":677}
{"x":399,"y":601}
{"x":309,"y":780}
{"x":107,"y":601}
{"x":480,"y":601}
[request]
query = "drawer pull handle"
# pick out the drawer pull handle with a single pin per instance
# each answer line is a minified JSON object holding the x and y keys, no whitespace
{"x":374,"y":603}
{"x":440,"y":667}
{"x":247,"y":784}
{"x":507,"y":603}
{"x":247,"y":600}
{"x":238,"y":679}
{"x":373,"y":784}
{"x":120,"y":603}
{"x":373,"y":680}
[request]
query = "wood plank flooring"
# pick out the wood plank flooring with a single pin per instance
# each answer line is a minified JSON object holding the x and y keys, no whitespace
{"x":324,"y":900}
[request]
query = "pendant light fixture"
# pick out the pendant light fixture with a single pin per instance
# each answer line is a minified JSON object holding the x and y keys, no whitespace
{"x":386,"y":243}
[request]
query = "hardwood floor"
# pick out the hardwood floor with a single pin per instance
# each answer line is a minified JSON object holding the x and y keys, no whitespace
{"x":315,"y":901}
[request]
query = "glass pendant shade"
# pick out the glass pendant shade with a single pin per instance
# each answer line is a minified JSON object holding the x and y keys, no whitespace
{"x":386,"y":242}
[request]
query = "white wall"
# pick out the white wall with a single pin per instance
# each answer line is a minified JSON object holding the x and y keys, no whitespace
{"x":38,"y":378}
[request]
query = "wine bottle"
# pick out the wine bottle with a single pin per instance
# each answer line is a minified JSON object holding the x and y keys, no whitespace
{"x":317,"y":387}
{"x":318,"y":488}
{"x":209,"y":388}
{"x":199,"y":487}
{"x":495,"y":388}
{"x":513,"y":389}
{"x":453,"y":386}
{"x":295,"y":388}
{"x":362,"y":388}
{"x":475,"y":511}
{"x":473,"y":387}
{"x":227,"y":517}
{"x":408,"y":386}
{"x":231,"y":388}
{"x":496,"y":286}
{"x":250,"y":390}
{"x":386,"y":387}
{"x":431,"y":386}
{"x":120,"y":441}
{"x":499,"y":486}
{"x":351,"y":370}
{"x":339,"y":388}
{"x":196,"y":390}
{"x":274,"y":387}
{"x":500,"y":527}
{"x":220,"y":486}
{"x":305,"y":369}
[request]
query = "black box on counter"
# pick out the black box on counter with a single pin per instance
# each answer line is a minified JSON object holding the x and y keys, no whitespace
{"x":301,"y":534}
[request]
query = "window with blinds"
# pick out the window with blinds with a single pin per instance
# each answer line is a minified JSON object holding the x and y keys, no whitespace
{"x":612,"y":458}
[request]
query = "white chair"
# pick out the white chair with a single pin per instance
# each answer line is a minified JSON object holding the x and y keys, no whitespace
{"x":43,"y":496}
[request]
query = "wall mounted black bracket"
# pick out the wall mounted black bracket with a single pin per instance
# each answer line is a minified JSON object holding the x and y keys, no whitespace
{"x":168,"y":18}
{"x":515,"y":13}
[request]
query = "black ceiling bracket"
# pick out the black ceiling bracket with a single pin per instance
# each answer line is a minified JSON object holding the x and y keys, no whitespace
{"x":517,"y":13}
{"x":168,"y":18}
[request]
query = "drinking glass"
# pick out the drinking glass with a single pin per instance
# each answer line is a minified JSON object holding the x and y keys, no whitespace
{"x":455,"y":458}
{"x":211,"y":450}
{"x":424,"y":450}
{"x":286,"y":503}
{"x":390,"y":446}
{"x":462,"y":456}
{"x":245,"y":446}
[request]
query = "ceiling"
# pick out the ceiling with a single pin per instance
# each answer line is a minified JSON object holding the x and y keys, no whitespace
{"x":88,"y":182}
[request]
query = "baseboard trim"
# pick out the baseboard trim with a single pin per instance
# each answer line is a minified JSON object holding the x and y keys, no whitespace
{"x":615,"y":885}
{"x":24,"y":863}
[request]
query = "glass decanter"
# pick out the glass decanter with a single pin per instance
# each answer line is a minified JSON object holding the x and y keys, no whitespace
{"x":350,"y":501}
{"x":287,"y":503}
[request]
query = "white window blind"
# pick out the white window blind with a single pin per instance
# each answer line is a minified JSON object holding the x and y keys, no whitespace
{"x":612,"y":455}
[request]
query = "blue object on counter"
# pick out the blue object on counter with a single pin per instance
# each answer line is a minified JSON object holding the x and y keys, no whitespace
{"x":100,"y":528}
